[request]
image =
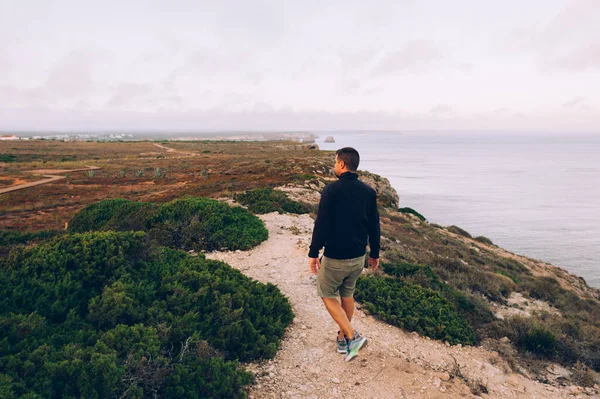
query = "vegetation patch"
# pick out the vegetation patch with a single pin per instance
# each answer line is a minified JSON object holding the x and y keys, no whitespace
{"x":459,"y":231}
{"x":12,"y":239}
{"x":473,"y":309}
{"x":186,"y":223}
{"x":412,"y":212}
{"x":105,"y":314}
{"x":414,"y":308}
{"x":7,"y":158}
{"x":266,"y":200}
{"x":484,"y":240}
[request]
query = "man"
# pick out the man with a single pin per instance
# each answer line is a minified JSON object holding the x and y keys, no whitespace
{"x":347,"y":215}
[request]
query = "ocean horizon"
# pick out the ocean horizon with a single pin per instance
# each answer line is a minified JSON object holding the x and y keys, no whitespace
{"x":532,"y":194}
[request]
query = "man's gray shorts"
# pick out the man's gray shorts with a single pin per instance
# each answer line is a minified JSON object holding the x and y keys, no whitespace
{"x":339,"y":275}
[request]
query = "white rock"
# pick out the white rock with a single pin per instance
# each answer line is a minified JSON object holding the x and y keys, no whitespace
{"x":335,"y":380}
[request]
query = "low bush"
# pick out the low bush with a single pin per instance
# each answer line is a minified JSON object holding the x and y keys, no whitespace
{"x":8,"y":237}
{"x":484,"y":240}
{"x":7,"y":158}
{"x":111,"y":214}
{"x":465,"y":277}
{"x":414,"y":308}
{"x":105,"y":314}
{"x":185,"y":223}
{"x":412,"y":212}
{"x":266,"y":200}
{"x":12,"y":239}
{"x":474,"y":310}
{"x":459,"y":231}
{"x":529,"y":334}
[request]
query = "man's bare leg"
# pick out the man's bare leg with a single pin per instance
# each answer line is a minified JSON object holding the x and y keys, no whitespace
{"x":339,"y":315}
{"x":348,"y":306}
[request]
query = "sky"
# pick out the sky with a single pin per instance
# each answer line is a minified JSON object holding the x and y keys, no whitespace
{"x":300,"y":65}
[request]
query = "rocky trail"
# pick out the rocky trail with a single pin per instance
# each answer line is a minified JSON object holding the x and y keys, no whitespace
{"x":394,"y":364}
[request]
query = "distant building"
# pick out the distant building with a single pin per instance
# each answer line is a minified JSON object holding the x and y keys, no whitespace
{"x":9,"y":137}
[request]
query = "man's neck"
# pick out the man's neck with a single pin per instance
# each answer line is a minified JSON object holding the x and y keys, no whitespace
{"x":345,"y":172}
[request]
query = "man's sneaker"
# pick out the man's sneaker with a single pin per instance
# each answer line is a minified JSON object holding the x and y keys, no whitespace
{"x":341,"y":344}
{"x":354,"y":346}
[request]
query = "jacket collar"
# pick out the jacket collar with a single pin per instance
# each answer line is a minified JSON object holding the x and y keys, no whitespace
{"x":348,"y":175}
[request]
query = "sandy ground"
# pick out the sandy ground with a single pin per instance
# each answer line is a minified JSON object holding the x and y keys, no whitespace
{"x":394,"y":364}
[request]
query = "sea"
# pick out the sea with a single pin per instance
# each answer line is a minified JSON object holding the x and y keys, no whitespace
{"x":534,"y":194}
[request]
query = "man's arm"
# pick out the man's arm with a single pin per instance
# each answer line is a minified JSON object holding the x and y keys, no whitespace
{"x":319,"y":235}
{"x":374,"y":229}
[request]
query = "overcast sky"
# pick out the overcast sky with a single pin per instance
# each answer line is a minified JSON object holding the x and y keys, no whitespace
{"x":426,"y":64}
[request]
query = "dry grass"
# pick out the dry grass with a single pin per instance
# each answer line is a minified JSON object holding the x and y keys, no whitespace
{"x":200,"y":168}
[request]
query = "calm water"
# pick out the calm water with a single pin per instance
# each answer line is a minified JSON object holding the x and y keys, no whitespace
{"x":536,"y":195}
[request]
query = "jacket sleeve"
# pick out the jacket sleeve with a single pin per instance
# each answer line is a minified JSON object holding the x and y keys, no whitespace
{"x":319,"y":235}
{"x":374,"y":229}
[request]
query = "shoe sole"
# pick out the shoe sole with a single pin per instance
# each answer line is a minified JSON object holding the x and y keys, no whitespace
{"x":341,"y":351}
{"x":351,"y":356}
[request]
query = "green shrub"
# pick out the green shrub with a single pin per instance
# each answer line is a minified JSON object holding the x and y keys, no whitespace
{"x":484,"y":240}
{"x":544,"y":288}
{"x":7,"y":158}
{"x":414,"y":308}
{"x":185,"y":223}
{"x":539,"y":340}
{"x":105,"y":314}
{"x":528,"y":334}
{"x":113,"y":212}
{"x":412,"y":212}
{"x":459,"y":231}
{"x":12,"y":239}
{"x":474,"y":310}
{"x":303,"y":177}
{"x":266,"y":200}
{"x":15,"y":237}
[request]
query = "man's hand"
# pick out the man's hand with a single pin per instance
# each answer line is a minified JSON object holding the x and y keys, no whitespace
{"x":314,"y":265}
{"x":373,"y":263}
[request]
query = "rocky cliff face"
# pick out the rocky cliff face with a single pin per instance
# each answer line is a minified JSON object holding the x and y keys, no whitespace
{"x":385,"y":192}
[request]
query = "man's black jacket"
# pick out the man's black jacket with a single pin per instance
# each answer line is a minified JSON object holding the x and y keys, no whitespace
{"x":347,"y":215}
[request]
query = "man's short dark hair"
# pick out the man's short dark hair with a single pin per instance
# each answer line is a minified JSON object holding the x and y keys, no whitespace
{"x":350,"y":157}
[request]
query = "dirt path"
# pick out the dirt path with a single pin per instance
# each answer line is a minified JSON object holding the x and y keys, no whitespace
{"x":395,"y":364}
{"x":49,"y":174}
{"x":174,"y":151}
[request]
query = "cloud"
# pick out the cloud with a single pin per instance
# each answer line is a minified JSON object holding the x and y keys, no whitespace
{"x":126,"y":95}
{"x":14,"y":97}
{"x":145,"y":97}
{"x":415,"y":56}
{"x":581,"y":59}
{"x":581,"y":103}
{"x":439,"y":109}
{"x":353,"y":60}
{"x":72,"y":77}
{"x":570,"y":41}
{"x":575,"y":102}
